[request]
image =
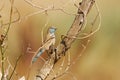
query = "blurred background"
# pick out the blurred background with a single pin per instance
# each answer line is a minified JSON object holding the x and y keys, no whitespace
{"x":100,"y":61}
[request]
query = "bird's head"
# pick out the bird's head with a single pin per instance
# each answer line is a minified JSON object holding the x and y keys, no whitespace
{"x":52,"y":29}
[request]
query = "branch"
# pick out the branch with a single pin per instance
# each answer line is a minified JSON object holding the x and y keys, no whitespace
{"x":12,"y":21}
{"x":2,"y":6}
{"x":46,"y":9}
{"x":78,"y":24}
{"x":65,"y":44}
{"x":2,"y":54}
{"x":33,"y":5}
{"x":15,"y":67}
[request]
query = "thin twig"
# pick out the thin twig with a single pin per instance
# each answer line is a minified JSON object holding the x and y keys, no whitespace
{"x":2,"y":6}
{"x":75,"y":60}
{"x":5,"y":49}
{"x":11,"y":12}
{"x":14,"y":67}
{"x":48,"y":9}
{"x":97,"y":29}
{"x":42,"y":10}
{"x":42,"y":31}
{"x":12,"y":21}
{"x":11,"y":65}
{"x":33,"y":5}
{"x":2,"y":54}
{"x":99,"y":25}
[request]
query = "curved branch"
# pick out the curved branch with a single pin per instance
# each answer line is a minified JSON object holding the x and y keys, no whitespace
{"x":14,"y":21}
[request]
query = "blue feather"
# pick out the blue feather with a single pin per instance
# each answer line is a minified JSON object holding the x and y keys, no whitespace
{"x":38,"y":55}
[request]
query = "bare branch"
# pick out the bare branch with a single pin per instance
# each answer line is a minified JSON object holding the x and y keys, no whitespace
{"x":66,"y":42}
{"x":46,"y":9}
{"x":11,"y":65}
{"x":14,"y":67}
{"x":99,"y":25}
{"x":13,"y":21}
{"x":33,"y":5}
{"x":75,"y":29}
{"x":2,"y":6}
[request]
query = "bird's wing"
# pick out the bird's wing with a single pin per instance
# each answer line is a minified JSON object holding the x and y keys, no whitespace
{"x":48,"y":43}
{"x":45,"y":46}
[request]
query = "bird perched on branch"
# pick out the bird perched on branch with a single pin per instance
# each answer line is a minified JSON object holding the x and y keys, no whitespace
{"x":49,"y":41}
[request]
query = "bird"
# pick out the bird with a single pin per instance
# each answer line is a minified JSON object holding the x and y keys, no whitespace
{"x":49,"y":41}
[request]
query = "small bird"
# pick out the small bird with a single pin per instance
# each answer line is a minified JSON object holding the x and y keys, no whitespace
{"x":49,"y":41}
